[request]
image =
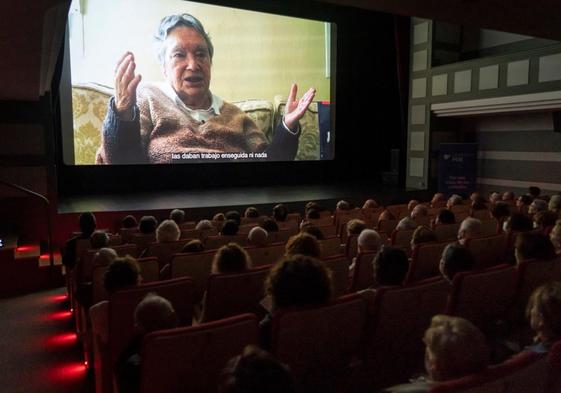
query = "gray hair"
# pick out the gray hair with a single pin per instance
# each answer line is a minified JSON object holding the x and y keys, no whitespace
{"x":470,"y":226}
{"x":369,"y":240}
{"x":257,"y":236}
{"x":168,"y":231}
{"x":538,"y":205}
{"x":204,"y":225}
{"x":104,"y":256}
{"x":555,"y":202}
{"x":170,"y":22}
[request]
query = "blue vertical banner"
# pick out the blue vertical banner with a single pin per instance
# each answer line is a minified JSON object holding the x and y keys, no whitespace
{"x":457,"y":168}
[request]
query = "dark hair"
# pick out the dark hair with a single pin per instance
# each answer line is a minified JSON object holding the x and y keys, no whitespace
{"x":525,"y":199}
{"x":534,"y":191}
{"x":355,"y":226}
{"x":230,"y":258}
{"x":343,"y":205}
{"x":303,"y":243}
{"x":479,"y":204}
{"x":500,"y":210}
{"x":87,"y":223}
{"x":311,"y":229}
{"x":312,"y":205}
{"x":519,"y":222}
{"x":312,"y":214}
{"x":230,"y":228}
{"x":148,"y":224}
{"x":390,"y":266}
{"x":455,"y":259}
{"x":121,"y":273}
{"x":194,"y":245}
{"x":446,"y":216}
{"x":177,"y":215}
{"x":534,"y":245}
{"x":233,"y":215}
{"x":251,"y":212}
{"x":299,"y":280}
{"x":269,"y":225}
{"x":280,"y":212}
{"x":129,"y":222}
{"x":422,"y":234}
{"x":255,"y":371}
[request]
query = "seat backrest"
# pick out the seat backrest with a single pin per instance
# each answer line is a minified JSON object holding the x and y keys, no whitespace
{"x":483,"y":296}
{"x":98,"y":290}
{"x":489,"y":226}
{"x":126,"y":249}
{"x":232,"y":294}
{"x":339,"y":266}
{"x":402,"y":239}
{"x":281,"y":236}
{"x":266,"y":255}
{"x":446,"y":232}
{"x":149,"y":269}
{"x":387,"y":226}
{"x":187,"y":225}
{"x":123,"y":303}
{"x":142,"y":240}
{"x":398,"y":211}
{"x":195,"y":265}
{"x":344,"y":216}
{"x":554,"y":368}
{"x":488,"y":250}
{"x":193,"y":233}
{"x":399,"y":318}
{"x":194,"y":356}
{"x":245,"y":228}
{"x":371,"y":216}
{"x":127,"y":233}
{"x":164,"y":251}
{"x":321,"y":222}
{"x":362,"y":275}
{"x":289,"y":225}
{"x":215,"y":242}
{"x":481,"y":214}
{"x":294,"y":217}
{"x":304,"y":340}
{"x":351,"y":248}
{"x":425,"y":261}
{"x":330,"y":246}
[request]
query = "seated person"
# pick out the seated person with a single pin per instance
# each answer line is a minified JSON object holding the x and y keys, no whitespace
{"x":411,"y":222}
{"x":177,"y":215}
{"x":509,"y":197}
{"x":99,"y":239}
{"x":544,"y":315}
{"x":234,"y":215}
{"x":194,"y":245}
{"x":390,"y":267}
{"x":422,"y":235}
{"x":534,"y":191}
{"x":544,"y":220}
{"x":129,"y":222}
{"x":311,"y":229}
{"x":204,"y":225}
{"x":87,"y":225}
{"x":121,"y":273}
{"x":312,"y":205}
{"x":255,"y":371}
{"x":153,"y":313}
{"x":258,"y":237}
{"x":555,"y":237}
{"x":355,"y":227}
{"x":386,"y":215}
{"x":312,"y":214}
{"x":343,"y":205}
{"x":469,"y":229}
{"x":438,"y":199}
{"x":454,"y":200}
{"x":304,"y":244}
{"x":230,"y":258}
{"x":294,"y":281}
{"x":444,"y":217}
{"x":251,"y":212}
{"x":495,"y":197}
{"x":475,"y":196}
{"x":523,"y":203}
{"x":104,"y":256}
{"x":537,"y":205}
{"x":455,"y":259}
{"x":230,"y":228}
{"x":500,"y":211}
{"x":280,"y":212}
{"x":269,"y":225}
{"x":369,"y":241}
{"x":411,"y":205}
{"x":555,"y":205}
{"x":147,"y":225}
{"x":219,"y":217}
{"x":517,"y":222}
{"x":370,"y":204}
{"x":533,"y":245}
{"x":168,"y":231}
{"x":454,"y":348}
{"x":478,"y":204}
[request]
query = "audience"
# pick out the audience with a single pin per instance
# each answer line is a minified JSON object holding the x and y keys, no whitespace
{"x":469,"y":228}
{"x":233,"y":215}
{"x":269,"y":225}
{"x":390,"y":267}
{"x":251,"y":212}
{"x":177,"y":215}
{"x":313,"y":230}
{"x":370,"y":204}
{"x":533,"y":245}
{"x":230,"y":258}
{"x":147,"y":225}
{"x":168,"y":231}
{"x":87,"y":225}
{"x":304,"y":244}
{"x":444,"y":217}
{"x":555,"y":205}
{"x":369,"y":241}
{"x":544,"y":315}
{"x":230,"y":228}
{"x":129,"y":222}
{"x":355,"y":226}
{"x":517,"y":222}
{"x":422,"y":235}
{"x":555,"y":236}
{"x":455,"y":259}
{"x":255,"y":371}
{"x":280,"y":212}
{"x":99,"y":239}
{"x":257,"y":237}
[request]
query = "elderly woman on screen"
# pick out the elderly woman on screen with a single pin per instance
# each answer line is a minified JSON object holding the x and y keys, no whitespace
{"x":160,"y":121}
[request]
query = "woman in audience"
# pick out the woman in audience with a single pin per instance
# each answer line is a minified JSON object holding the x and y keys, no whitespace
{"x":148,"y":225}
{"x":355,"y":227}
{"x":121,"y":273}
{"x":544,"y":314}
{"x":533,"y":245}
{"x":280,"y":212}
{"x":129,"y":222}
{"x":454,"y":200}
{"x":251,"y":212}
{"x":257,"y":237}
{"x":204,"y":225}
{"x":523,"y":203}
{"x":370,"y":204}
{"x":296,"y":280}
{"x":454,"y":348}
{"x":194,"y":245}
{"x":153,"y":313}
{"x":422,"y":235}
{"x":177,"y":215}
{"x":104,"y":256}
{"x":269,"y":225}
{"x":390,"y":267}
{"x":343,"y":205}
{"x":168,"y":231}
{"x":536,"y":206}
{"x":555,"y":237}
{"x":230,"y":228}
{"x":230,"y":258}
{"x":455,"y":259}
{"x":303,"y":243}
{"x":311,"y":229}
{"x":219,"y":217}
{"x":99,"y":239}
{"x":517,"y":222}
{"x":544,"y":220}
{"x":255,"y":371}
{"x":555,"y":205}
{"x":234,"y":215}
{"x":444,"y":217}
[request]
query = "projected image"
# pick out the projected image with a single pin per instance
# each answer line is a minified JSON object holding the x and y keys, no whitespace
{"x":181,"y":82}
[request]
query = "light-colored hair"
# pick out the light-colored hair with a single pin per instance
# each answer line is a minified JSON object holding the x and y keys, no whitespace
{"x":104,"y":256}
{"x":99,"y":239}
{"x":231,"y":258}
{"x":155,"y":313}
{"x":456,"y":346}
{"x":469,"y":228}
{"x":555,"y":235}
{"x":370,"y":204}
{"x":555,"y":203}
{"x":355,"y":226}
{"x":454,"y":200}
{"x":420,"y":211}
{"x":369,"y":240}
{"x":257,"y":236}
{"x":546,"y":300}
{"x":171,"y":22}
{"x":204,"y":225}
{"x":177,"y":215}
{"x":303,"y":243}
{"x":537,"y":205}
{"x":167,"y":231}
{"x":343,"y":205}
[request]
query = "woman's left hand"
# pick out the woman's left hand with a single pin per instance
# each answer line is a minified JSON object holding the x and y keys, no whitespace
{"x":295,"y":109}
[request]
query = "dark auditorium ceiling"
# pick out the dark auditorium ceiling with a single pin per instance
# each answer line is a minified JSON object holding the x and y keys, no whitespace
{"x":31,"y":31}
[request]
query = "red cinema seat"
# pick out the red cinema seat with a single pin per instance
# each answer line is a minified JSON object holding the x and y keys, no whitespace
{"x":362,"y":276}
{"x":425,"y":261}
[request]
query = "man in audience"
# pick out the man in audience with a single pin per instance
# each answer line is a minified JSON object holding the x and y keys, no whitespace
{"x":411,"y":205}
{"x":104,"y":256}
{"x":369,"y":241}
{"x":257,"y":237}
{"x":147,"y":225}
{"x":438,"y":199}
{"x":255,"y":371}
{"x":121,"y":273}
{"x":555,"y":205}
{"x":422,"y":235}
{"x":495,"y":197}
{"x":204,"y":225}
{"x":455,"y":259}
{"x":280,"y":212}
{"x":230,"y":228}
{"x":537,"y":205}
{"x":230,"y":258}
{"x":153,"y":313}
{"x":444,"y":217}
{"x":177,"y":215}
{"x":99,"y":239}
{"x":87,"y":225}
{"x":390,"y":267}
{"x":129,"y":222}
{"x":410,"y":222}
{"x":523,"y":203}
{"x":454,"y":348}
{"x":544,"y":315}
{"x":469,"y":228}
{"x":167,"y":231}
{"x":454,"y":200}
{"x":251,"y":212}
{"x":355,"y":227}
{"x":311,"y":229}
{"x":234,"y":215}
{"x":269,"y":225}
{"x":370,"y":204}
{"x":343,"y":205}
{"x":304,"y":244}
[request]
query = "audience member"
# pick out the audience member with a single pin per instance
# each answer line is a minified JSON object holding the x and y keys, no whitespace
{"x":537,"y":205}
{"x":129,"y":222}
{"x":230,"y":258}
{"x":104,"y":256}
{"x":386,"y":215}
{"x":153,"y":313}
{"x":230,"y":228}
{"x":121,"y":273}
{"x":251,"y":212}
{"x":544,"y":315}
{"x":234,"y":215}
{"x":422,"y":235}
{"x":269,"y":225}
{"x":411,"y":221}
{"x":99,"y":239}
{"x":478,"y":203}
{"x":555,"y":205}
{"x":533,"y":245}
{"x":454,"y":348}
{"x":204,"y":225}
{"x":517,"y":222}
{"x":370,"y":204}
{"x":438,"y":200}
{"x":411,"y":205}
{"x":304,"y":244}
{"x":509,"y":197}
{"x":523,"y":203}
{"x":500,"y":211}
{"x":544,"y":220}
{"x":534,"y":191}
{"x":444,"y":217}
{"x":369,"y":241}
{"x":87,"y":224}
{"x":147,"y":225}
{"x":313,"y":230}
{"x":455,"y":259}
{"x":219,"y":217}
{"x":255,"y":371}
{"x":257,"y":237}
{"x":177,"y":215}
{"x":168,"y":231}
{"x":469,"y":228}
{"x":194,"y":245}
{"x":312,"y":214}
{"x":390,"y":267}
{"x":355,"y":227}
{"x":454,"y":200}
{"x":312,"y":205}
{"x":280,"y":212}
{"x":495,"y":197}
{"x":476,"y":196}
{"x":343,"y":205}
{"x":555,"y":236}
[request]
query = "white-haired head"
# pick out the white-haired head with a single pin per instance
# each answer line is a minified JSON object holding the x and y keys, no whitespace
{"x":369,"y":241}
{"x":469,"y":228}
{"x":257,"y":236}
{"x":167,"y":231}
{"x":104,"y":256}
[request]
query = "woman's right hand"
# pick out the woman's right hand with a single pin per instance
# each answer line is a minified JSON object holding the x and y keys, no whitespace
{"x":126,"y":83}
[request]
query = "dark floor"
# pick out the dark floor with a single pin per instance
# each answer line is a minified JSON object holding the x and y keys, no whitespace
{"x":38,"y":348}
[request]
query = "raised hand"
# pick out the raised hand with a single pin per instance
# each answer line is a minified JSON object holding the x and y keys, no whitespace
{"x":296,"y":109}
{"x":126,"y":83}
